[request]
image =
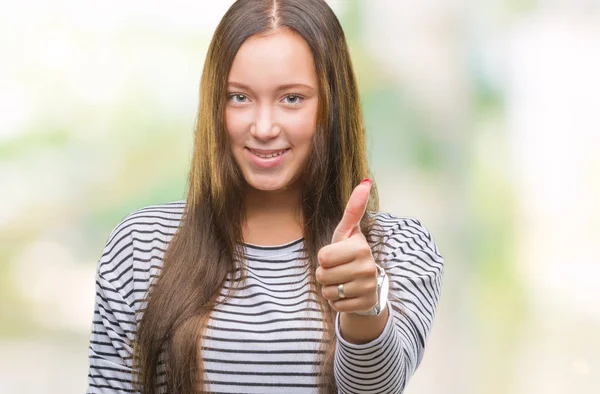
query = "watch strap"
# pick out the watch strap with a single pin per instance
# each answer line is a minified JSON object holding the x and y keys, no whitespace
{"x":382,"y":294}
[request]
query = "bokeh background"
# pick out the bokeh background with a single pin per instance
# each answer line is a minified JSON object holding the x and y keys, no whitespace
{"x":483,"y":121}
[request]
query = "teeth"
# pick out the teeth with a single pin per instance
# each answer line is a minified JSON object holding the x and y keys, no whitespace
{"x":270,"y":155}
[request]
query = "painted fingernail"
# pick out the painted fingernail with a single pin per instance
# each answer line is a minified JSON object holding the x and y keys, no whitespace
{"x":366,"y":180}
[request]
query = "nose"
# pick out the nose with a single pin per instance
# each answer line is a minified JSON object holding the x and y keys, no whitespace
{"x":264,"y":127}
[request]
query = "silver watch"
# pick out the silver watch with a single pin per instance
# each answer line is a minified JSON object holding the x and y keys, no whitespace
{"x":383,"y":287}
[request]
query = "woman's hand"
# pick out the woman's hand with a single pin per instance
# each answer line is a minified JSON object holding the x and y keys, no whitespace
{"x":348,"y":261}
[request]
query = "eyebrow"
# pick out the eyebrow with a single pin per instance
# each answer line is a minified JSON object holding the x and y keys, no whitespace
{"x":279,"y":88}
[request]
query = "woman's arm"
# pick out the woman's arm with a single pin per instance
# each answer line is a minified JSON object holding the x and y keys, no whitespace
{"x":113,"y":326}
{"x":386,"y":363}
{"x":110,"y":342}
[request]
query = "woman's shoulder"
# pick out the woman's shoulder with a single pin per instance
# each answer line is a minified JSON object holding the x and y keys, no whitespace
{"x":162,"y":218}
{"x":405,"y":236}
{"x":139,"y":237}
{"x":389,"y":224}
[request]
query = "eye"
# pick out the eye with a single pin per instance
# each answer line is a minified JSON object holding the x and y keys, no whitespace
{"x":293,"y":99}
{"x":237,"y":98}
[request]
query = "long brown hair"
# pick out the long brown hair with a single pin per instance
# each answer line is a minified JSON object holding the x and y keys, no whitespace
{"x":205,"y":247}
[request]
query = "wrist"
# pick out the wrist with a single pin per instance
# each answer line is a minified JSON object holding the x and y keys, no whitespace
{"x":361,"y":329}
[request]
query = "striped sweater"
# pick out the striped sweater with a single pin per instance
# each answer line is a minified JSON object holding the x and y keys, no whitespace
{"x":265,"y":338}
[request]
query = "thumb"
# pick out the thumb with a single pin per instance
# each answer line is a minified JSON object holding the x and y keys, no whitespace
{"x":355,"y":209}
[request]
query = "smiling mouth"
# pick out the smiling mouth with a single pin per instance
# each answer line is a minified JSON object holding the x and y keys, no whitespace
{"x":268,"y":154}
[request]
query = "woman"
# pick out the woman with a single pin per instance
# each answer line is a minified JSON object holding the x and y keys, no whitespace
{"x":270,"y":277}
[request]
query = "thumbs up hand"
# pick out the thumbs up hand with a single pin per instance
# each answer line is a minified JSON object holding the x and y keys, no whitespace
{"x":347,"y":269}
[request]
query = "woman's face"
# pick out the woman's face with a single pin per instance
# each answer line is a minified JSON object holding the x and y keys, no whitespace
{"x":271,"y":109}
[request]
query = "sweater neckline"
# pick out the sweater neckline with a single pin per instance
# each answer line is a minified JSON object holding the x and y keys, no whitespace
{"x":273,"y":250}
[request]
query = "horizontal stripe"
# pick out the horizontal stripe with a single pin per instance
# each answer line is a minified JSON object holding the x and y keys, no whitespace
{"x":266,"y":336}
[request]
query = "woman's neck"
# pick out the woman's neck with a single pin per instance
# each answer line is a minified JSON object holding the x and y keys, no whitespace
{"x":273,"y":217}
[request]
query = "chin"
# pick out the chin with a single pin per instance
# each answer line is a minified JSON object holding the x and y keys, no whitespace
{"x":264,"y":186}
{"x":268,"y":184}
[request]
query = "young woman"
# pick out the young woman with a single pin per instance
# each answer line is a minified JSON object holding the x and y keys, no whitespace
{"x":277,"y":274}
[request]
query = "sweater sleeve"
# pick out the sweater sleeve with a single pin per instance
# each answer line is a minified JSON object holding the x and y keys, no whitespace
{"x":384,"y":365}
{"x":113,"y":325}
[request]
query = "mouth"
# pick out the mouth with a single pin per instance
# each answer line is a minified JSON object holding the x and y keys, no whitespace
{"x":267,"y":154}
{"x":267,"y":158}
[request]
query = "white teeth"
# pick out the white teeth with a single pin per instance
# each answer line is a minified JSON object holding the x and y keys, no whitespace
{"x":270,"y":155}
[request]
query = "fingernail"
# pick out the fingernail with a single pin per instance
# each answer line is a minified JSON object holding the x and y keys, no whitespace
{"x":366,"y":180}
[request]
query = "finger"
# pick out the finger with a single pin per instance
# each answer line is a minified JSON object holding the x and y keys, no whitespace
{"x":355,"y":209}
{"x":333,"y":276}
{"x":359,"y":288}
{"x":355,"y":271}
{"x":330,"y":292}
{"x":344,"y":251}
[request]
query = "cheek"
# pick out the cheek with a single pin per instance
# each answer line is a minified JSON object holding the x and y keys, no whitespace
{"x":301,"y":127}
{"x":235,"y":125}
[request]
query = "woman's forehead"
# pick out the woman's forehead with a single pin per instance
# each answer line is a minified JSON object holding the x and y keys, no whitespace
{"x":278,"y":58}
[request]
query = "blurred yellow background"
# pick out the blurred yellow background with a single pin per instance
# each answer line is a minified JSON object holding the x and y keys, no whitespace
{"x":483,"y":121}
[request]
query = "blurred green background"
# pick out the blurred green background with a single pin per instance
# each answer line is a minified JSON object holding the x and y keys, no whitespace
{"x":482,"y":119}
